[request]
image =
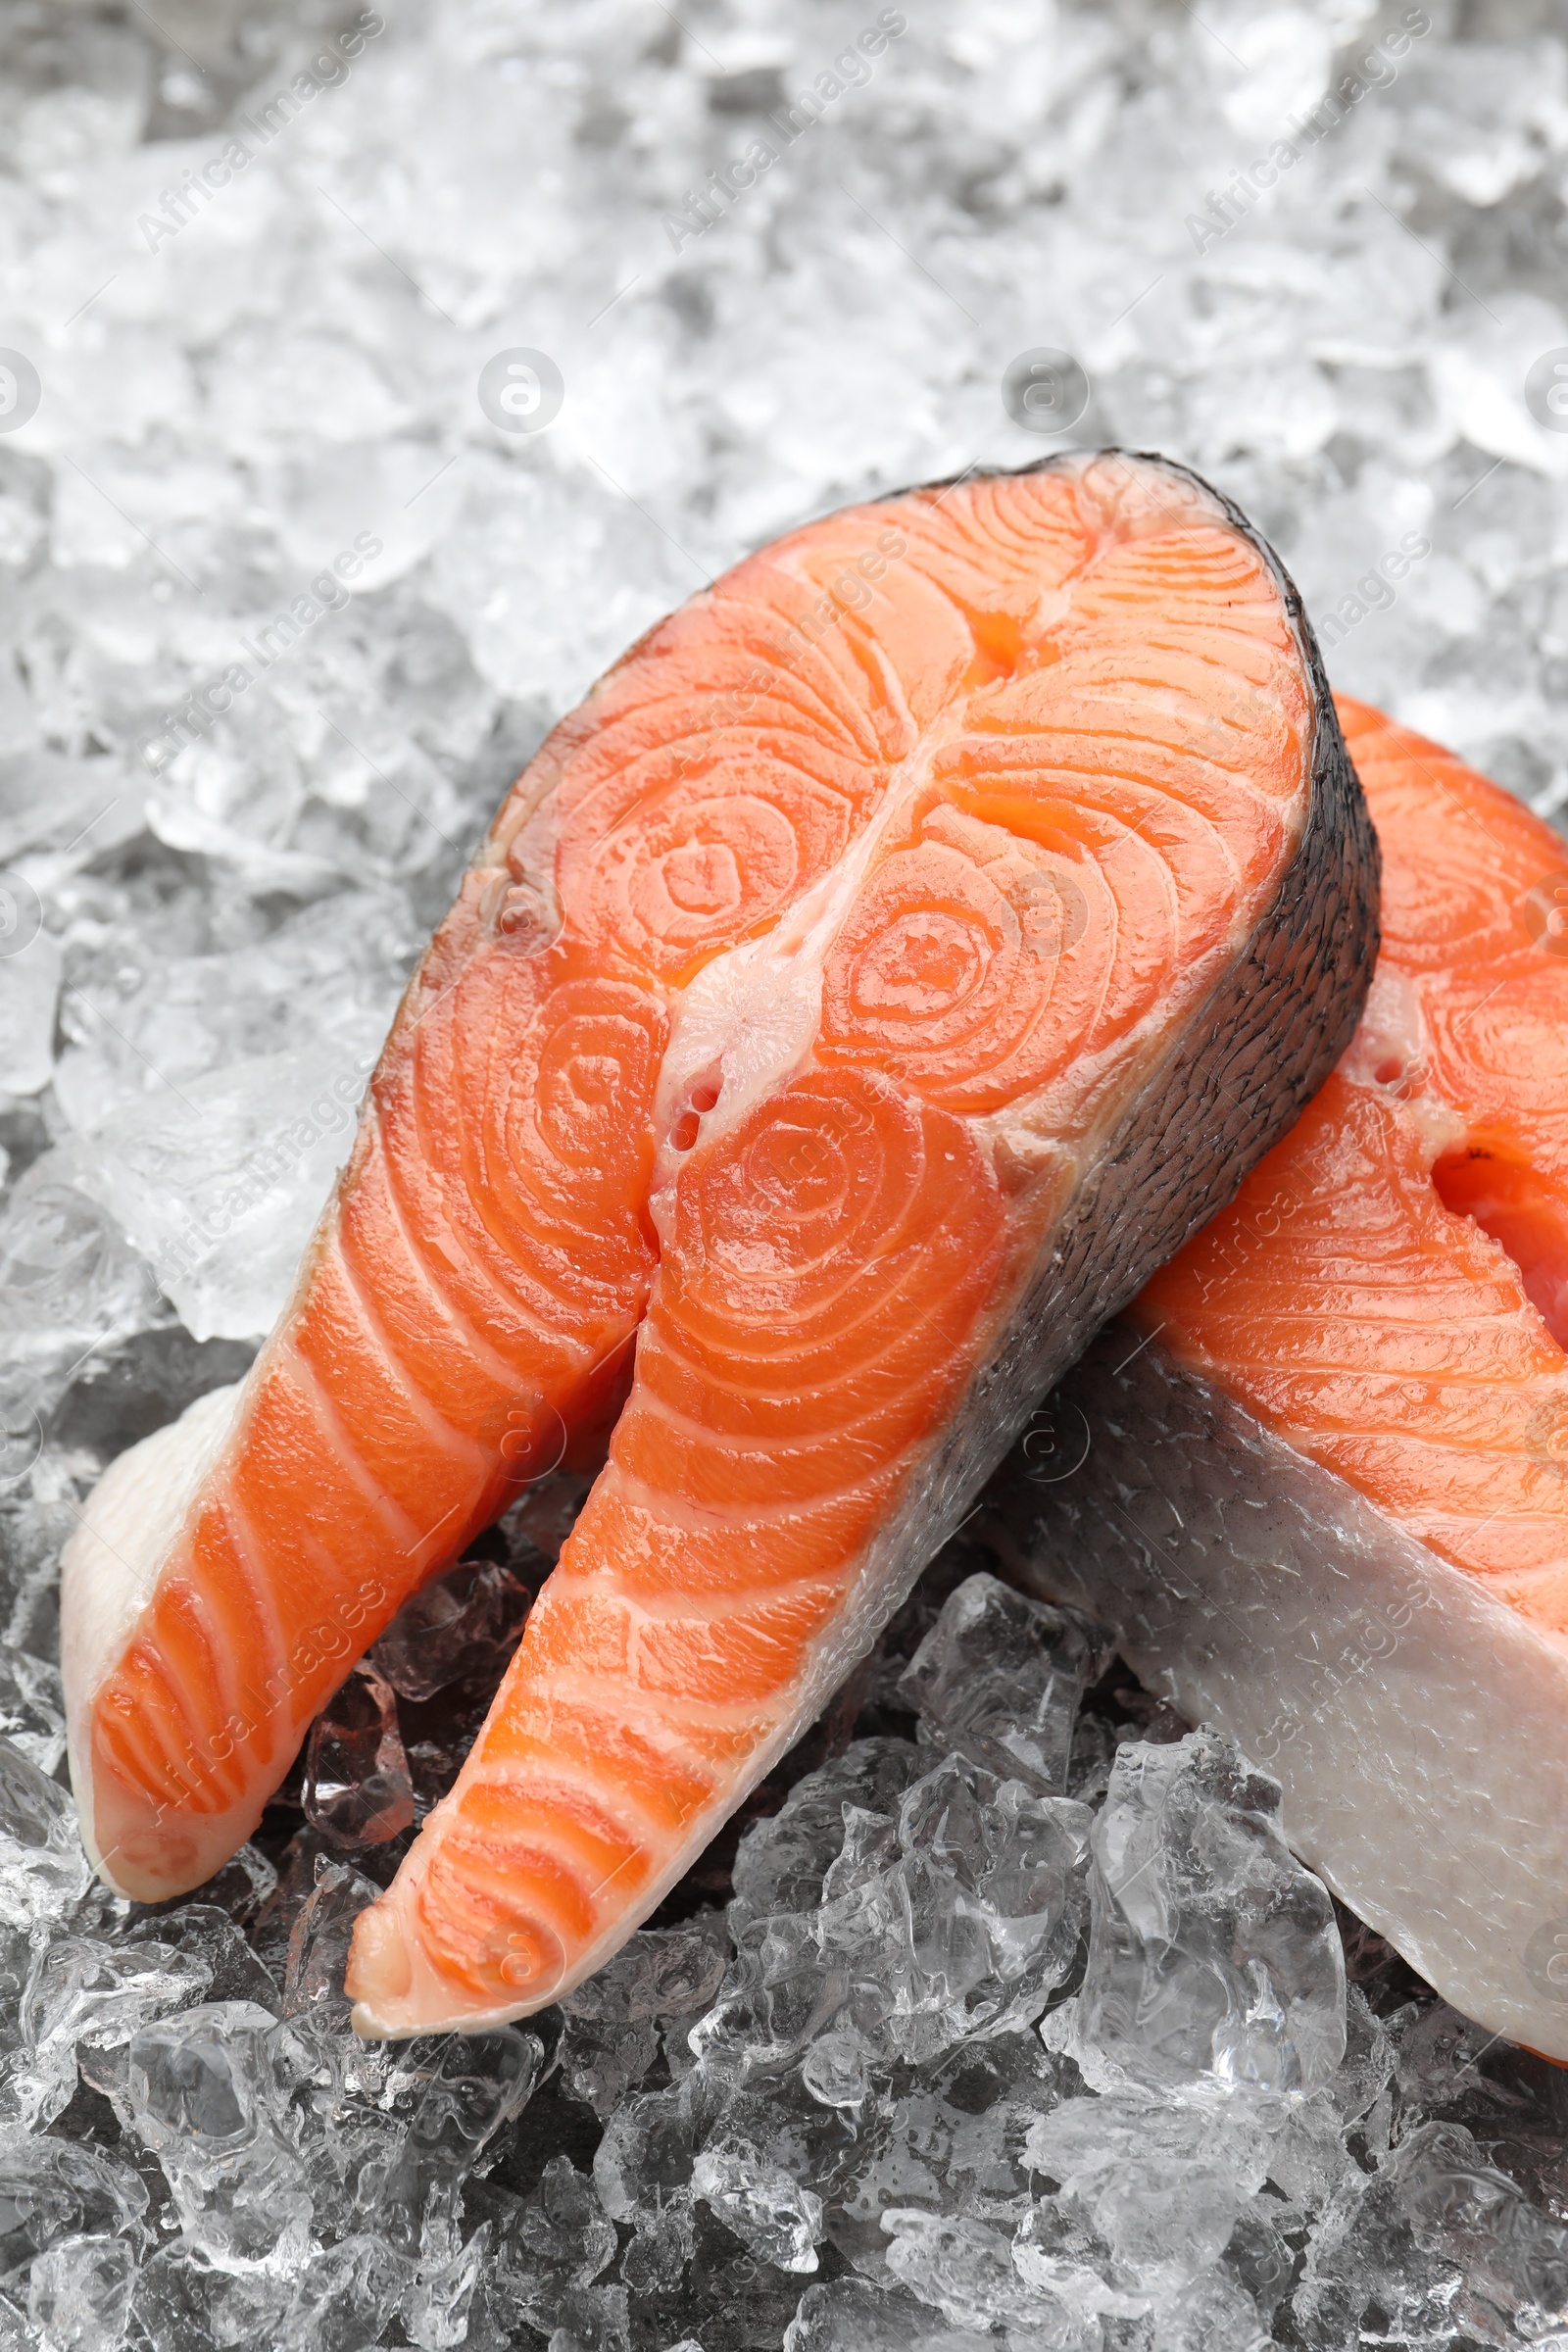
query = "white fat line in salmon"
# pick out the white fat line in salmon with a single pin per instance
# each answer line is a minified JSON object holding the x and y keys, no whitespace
{"x":201,"y":710}
{"x":199,"y":187}
{"x":1376,"y":71}
{"x":331,"y":1636}
{"x":725,"y":185}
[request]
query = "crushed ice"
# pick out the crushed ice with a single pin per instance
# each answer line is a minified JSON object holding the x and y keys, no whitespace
{"x":1009,"y":2020}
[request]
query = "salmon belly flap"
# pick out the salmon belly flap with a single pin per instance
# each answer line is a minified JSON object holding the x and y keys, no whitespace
{"x":1326,"y":1498}
{"x":897,"y":955}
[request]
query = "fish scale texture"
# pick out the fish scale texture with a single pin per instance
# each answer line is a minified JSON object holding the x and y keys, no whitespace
{"x":901,"y":951}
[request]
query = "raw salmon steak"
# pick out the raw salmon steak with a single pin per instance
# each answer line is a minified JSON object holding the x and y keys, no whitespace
{"x":896,"y":958}
{"x":1317,"y":1479}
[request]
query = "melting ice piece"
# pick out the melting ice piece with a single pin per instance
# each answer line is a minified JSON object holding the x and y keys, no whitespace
{"x":1150,"y":2191}
{"x":43,"y":1871}
{"x":1436,"y":2237}
{"x":200,"y":2095}
{"x":1211,"y":1950}
{"x":357,"y":1785}
{"x":1000,"y":1677}
{"x":465,"y":1623}
{"x":613,"y":2021}
{"x":477,"y":2082}
{"x":79,"y":2293}
{"x":83,"y":1992}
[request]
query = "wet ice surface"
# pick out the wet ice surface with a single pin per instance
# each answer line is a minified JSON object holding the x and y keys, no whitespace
{"x":813,"y":2103}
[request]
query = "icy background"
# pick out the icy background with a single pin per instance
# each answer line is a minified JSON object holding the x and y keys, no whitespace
{"x":838,"y":2101}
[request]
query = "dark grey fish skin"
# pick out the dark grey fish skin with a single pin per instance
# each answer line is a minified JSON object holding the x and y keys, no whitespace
{"x":1415,"y":1724}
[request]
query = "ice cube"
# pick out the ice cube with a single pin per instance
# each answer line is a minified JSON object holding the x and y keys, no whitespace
{"x":1150,"y":2193}
{"x":613,"y":2021}
{"x":1211,"y":1950}
{"x":766,"y":2209}
{"x":477,"y":2082}
{"x":82,"y":1991}
{"x":78,"y":2294}
{"x":356,"y":1787}
{"x":1000,"y":1677}
{"x":202,"y":2092}
{"x":469,"y":1621}
{"x":43,"y":1871}
{"x":559,"y":2240}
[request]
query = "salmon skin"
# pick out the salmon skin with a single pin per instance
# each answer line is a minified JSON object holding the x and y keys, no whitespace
{"x":901,"y":951}
{"x":1323,"y":1488}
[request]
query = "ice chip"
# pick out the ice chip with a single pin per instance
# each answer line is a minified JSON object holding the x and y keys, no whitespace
{"x":319,"y":1943}
{"x":43,"y":1871}
{"x":467,"y":1622}
{"x":1436,"y":2233}
{"x":51,"y":2189}
{"x":78,"y":2294}
{"x":83,"y":1992}
{"x":356,"y":1787}
{"x":1211,"y":1950}
{"x":783,"y":1860}
{"x":477,"y":2084}
{"x":436,"y":2306}
{"x":344,"y":2296}
{"x":1159,"y":2184}
{"x":766,"y":2209}
{"x":613,"y":2021}
{"x":32,"y":1708}
{"x":559,"y":2240}
{"x":201,"y":2095}
{"x":1000,"y":1676}
{"x":850,"y":2316}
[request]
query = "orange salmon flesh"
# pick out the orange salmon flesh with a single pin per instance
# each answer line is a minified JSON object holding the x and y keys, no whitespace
{"x":904,"y":948}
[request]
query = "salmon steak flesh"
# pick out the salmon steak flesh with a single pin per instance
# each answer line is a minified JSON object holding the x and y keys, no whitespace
{"x":897,"y":955}
{"x":1316,"y":1479}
